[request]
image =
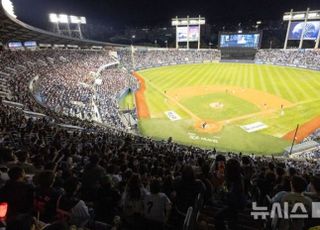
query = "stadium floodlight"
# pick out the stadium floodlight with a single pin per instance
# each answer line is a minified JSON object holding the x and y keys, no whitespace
{"x":312,"y":15}
{"x":63,"y":19}
{"x":53,"y":18}
{"x":286,"y":17}
{"x":188,"y":21}
{"x":193,"y":22}
{"x":8,"y":7}
{"x":77,"y":20}
{"x":65,"y":23}
{"x":74,"y":19}
{"x":83,"y":20}
{"x":299,"y":16}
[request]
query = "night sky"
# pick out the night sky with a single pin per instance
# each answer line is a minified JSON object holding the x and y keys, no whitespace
{"x":119,"y":13}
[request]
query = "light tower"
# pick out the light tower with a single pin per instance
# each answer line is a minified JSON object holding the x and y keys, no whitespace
{"x":188,"y":30}
{"x":66,"y":24}
{"x":302,"y":23}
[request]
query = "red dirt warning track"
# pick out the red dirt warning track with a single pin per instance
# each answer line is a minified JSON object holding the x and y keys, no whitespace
{"x":142,"y":107}
{"x":304,"y":130}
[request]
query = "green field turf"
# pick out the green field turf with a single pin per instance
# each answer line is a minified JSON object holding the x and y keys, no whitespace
{"x":298,"y":86}
{"x":127,"y":102}
{"x":233,"y":106}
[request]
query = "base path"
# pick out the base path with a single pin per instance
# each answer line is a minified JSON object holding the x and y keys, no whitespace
{"x":142,"y":107}
{"x":304,"y":130}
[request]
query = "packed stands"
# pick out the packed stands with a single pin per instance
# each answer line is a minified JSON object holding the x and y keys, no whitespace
{"x":61,"y":172}
{"x":299,"y":58}
{"x":64,"y":81}
{"x":114,"y":81}
{"x":141,"y":58}
{"x":121,"y":174}
{"x":71,"y":172}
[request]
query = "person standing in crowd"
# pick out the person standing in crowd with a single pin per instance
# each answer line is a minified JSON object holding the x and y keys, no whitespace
{"x":17,"y":193}
{"x":91,"y":178}
{"x":70,"y":207}
{"x":132,"y":202}
{"x":46,"y":196}
{"x":157,"y":207}
{"x":235,"y":199}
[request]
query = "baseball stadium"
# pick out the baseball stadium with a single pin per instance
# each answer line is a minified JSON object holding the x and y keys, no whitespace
{"x":149,"y":121}
{"x":211,"y":104}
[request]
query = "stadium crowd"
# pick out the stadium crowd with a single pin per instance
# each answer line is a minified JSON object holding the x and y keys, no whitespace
{"x":114,"y":81}
{"x":311,"y":154}
{"x":97,"y":175}
{"x":307,"y":58}
{"x":143,"y":58}
{"x":67,"y":85}
{"x":66,"y":82}
{"x":54,"y":177}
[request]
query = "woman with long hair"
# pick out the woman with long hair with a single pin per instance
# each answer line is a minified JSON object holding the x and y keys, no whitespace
{"x":132,"y":202}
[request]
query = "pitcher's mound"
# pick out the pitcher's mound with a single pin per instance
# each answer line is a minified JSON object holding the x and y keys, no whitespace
{"x":210,"y":127}
{"x":217,"y":105}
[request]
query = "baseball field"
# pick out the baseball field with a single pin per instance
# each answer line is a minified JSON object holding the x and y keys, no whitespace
{"x":233,"y":107}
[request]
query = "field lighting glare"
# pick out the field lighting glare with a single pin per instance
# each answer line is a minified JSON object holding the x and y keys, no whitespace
{"x":299,"y":16}
{"x":78,"y":20}
{"x":312,"y":15}
{"x":8,"y":7}
{"x":63,"y":19}
{"x":83,"y":20}
{"x":286,"y":17}
{"x":74,"y":19}
{"x":53,"y":18}
{"x":67,"y":23}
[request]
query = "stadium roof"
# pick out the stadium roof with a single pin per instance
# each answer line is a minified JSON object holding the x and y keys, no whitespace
{"x":11,"y":29}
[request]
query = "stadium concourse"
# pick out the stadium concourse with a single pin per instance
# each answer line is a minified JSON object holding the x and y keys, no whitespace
{"x":65,"y":169}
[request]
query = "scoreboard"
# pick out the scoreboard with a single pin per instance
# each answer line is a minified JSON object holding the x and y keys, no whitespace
{"x":240,"y":40}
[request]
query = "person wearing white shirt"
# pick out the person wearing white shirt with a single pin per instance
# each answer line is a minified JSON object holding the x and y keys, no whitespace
{"x":157,"y":206}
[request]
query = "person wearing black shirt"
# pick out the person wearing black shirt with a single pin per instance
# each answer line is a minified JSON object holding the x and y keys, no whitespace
{"x":17,"y":193}
{"x":235,"y":199}
{"x":46,"y":196}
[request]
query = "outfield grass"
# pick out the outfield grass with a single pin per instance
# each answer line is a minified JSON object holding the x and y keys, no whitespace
{"x":298,"y":86}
